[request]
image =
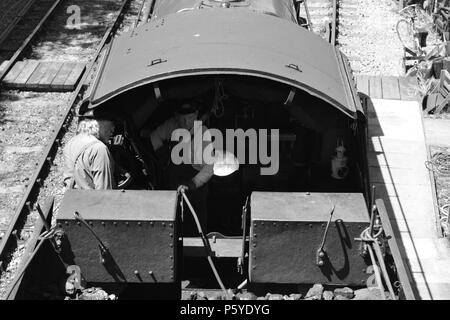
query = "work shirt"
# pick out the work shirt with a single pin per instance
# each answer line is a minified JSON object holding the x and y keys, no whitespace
{"x":163,"y":134}
{"x":87,"y":160}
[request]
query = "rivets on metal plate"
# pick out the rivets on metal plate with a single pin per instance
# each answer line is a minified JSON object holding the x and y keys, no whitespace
{"x":103,"y":223}
{"x":138,"y":275}
{"x":171,"y":257}
{"x":171,"y":235}
{"x":310,"y":225}
{"x":151,"y":223}
{"x":274,"y":224}
{"x":163,"y":224}
{"x":66,"y":223}
{"x":171,"y":245}
{"x":254,"y":235}
{"x":139,"y":224}
{"x":171,"y":225}
{"x":115,"y":223}
{"x":78,"y":223}
{"x":127,"y":224}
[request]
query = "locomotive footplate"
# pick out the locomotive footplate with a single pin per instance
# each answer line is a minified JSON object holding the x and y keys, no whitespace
{"x":306,"y":238}
{"x":121,"y":236}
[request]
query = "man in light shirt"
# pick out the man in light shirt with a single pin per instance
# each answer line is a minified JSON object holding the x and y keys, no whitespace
{"x":87,"y":161}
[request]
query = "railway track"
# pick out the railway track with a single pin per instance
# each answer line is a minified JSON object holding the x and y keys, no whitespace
{"x":11,"y":11}
{"x":35,"y":125}
{"x":23,"y":31}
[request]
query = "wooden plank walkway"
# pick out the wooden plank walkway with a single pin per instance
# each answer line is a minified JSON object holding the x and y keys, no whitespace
{"x":34,"y":75}
{"x":391,"y":88}
{"x":397,"y":153}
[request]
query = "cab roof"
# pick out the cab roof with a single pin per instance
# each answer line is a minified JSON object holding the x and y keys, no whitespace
{"x":226,"y":41}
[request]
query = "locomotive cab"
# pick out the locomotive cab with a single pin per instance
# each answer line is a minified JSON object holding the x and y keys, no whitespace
{"x":285,"y":109}
{"x":281,"y":104}
{"x":288,"y":207}
{"x":283,"y":140}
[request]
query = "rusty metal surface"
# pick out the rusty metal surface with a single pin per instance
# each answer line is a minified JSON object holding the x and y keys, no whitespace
{"x":127,"y":205}
{"x":279,"y":8}
{"x":302,"y":206}
{"x":287,"y":230}
{"x":137,"y":227}
{"x":217,"y":41}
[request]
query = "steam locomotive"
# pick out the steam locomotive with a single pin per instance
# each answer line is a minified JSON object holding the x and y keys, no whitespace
{"x":252,"y":66}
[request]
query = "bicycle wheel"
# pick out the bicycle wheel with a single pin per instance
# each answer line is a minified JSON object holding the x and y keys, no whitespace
{"x":405,"y":34}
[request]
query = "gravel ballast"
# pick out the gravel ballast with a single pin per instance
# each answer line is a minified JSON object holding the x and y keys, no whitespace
{"x":368,"y":37}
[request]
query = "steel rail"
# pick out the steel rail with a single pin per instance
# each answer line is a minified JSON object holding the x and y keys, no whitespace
{"x":136,"y":22}
{"x":31,"y":246}
{"x":44,"y":165}
{"x":308,"y":16}
{"x":6,"y":32}
{"x":334,"y":22}
{"x":27,"y":42}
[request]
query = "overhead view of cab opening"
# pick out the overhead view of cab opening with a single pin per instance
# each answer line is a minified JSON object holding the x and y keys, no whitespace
{"x":276,"y":138}
{"x":210,"y":149}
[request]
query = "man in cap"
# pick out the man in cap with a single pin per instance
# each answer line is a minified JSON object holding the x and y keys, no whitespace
{"x":190,"y":177}
{"x":87,"y":161}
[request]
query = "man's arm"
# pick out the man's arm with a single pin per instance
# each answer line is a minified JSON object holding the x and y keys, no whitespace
{"x":160,"y":134}
{"x":203,"y":176}
{"x":102,"y":168}
{"x":207,"y":170}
